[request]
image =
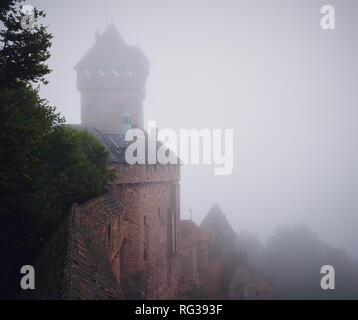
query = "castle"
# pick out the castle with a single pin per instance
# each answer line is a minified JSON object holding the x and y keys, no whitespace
{"x":111,"y":79}
{"x":129,"y":243}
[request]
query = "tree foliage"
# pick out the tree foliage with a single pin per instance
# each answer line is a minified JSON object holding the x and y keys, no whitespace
{"x":292,"y":259}
{"x":45,"y":166}
{"x":23,"y":53}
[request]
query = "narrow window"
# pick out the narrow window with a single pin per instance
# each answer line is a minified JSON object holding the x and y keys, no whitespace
{"x":108,"y":233}
{"x":145,"y":254}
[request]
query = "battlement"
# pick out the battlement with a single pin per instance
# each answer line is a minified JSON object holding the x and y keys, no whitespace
{"x":142,"y":173}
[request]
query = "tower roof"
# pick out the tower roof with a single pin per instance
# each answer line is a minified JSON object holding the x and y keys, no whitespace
{"x":111,"y":52}
{"x":215,"y":218}
{"x":222,"y":238}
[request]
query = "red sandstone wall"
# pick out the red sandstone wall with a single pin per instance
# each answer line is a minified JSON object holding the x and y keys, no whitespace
{"x":152,"y":211}
{"x":115,"y":236}
{"x":188,"y":266}
{"x":108,"y":230}
{"x":193,"y":260}
{"x":202,"y":256}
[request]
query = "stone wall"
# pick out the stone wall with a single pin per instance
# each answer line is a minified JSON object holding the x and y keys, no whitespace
{"x":150,"y":194}
{"x":193,"y":256}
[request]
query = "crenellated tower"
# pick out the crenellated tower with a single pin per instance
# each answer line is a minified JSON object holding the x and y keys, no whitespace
{"x":111,"y":78}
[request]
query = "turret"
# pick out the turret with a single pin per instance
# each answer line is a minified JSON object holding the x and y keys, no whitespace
{"x":126,"y":121}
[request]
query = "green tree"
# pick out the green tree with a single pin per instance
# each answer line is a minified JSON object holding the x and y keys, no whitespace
{"x":45,"y":166}
{"x":25,"y":123}
{"x":23,"y":53}
{"x":78,"y":168}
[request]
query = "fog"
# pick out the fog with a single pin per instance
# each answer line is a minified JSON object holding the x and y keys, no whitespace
{"x":265,"y":69}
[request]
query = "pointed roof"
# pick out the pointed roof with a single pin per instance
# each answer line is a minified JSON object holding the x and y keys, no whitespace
{"x":126,"y":114}
{"x":215,"y":216}
{"x":111,"y":52}
{"x":222,"y":238}
{"x":215,"y":211}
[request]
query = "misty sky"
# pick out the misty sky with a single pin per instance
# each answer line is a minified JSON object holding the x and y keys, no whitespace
{"x":262,"y":67}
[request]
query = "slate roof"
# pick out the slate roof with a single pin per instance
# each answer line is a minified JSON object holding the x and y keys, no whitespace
{"x":115,"y":143}
{"x":74,"y":264}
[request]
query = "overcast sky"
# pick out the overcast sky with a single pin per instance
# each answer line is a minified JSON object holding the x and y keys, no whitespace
{"x":262,"y":67}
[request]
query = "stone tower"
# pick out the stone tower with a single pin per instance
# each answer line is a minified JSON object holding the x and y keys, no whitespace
{"x":111,"y":78}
